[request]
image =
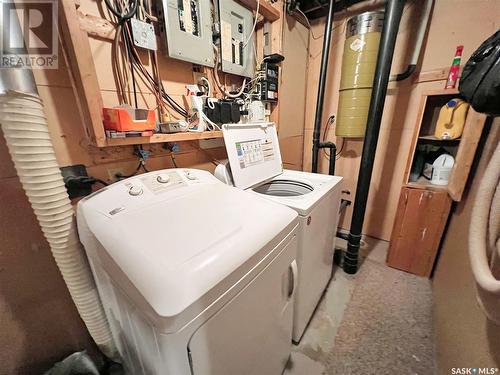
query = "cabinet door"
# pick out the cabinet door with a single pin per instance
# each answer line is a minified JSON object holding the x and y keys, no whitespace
{"x":418,"y":227}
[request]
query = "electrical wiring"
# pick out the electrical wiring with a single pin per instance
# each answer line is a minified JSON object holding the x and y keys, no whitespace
{"x":154,"y":85}
{"x":329,"y":122}
{"x":126,"y":60}
{"x":121,"y":177}
{"x":174,"y":162}
{"x":210,"y":100}
{"x":254,"y":24}
{"x":118,"y":12}
{"x":217,"y":79}
{"x":213,"y":125}
{"x":310,"y":26}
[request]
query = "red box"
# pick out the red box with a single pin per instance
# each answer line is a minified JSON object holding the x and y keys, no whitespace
{"x":129,"y":119}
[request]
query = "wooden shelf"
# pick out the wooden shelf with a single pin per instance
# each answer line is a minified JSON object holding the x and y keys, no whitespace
{"x":266,"y":9}
{"x":423,"y":183}
{"x":431,"y":138}
{"x":161,"y":138}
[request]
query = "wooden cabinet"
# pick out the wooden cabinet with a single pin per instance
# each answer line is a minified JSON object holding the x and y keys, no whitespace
{"x":423,"y":208}
{"x":419,"y":224}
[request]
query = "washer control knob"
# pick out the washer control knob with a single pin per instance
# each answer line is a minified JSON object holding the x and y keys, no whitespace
{"x":135,"y":190}
{"x":163,"y":178}
{"x":191,"y":176}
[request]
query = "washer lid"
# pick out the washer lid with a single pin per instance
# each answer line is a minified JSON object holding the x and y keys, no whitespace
{"x":253,"y":152}
{"x":176,"y":245}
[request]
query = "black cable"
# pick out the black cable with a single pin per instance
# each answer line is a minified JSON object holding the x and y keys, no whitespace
{"x":173,"y":160}
{"x":121,"y":177}
{"x":117,"y":12}
{"x":159,"y":86}
{"x":102,"y":182}
{"x":329,"y":122}
{"x":337,"y":155}
{"x":129,"y":53}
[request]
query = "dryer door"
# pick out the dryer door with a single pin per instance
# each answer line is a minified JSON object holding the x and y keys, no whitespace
{"x":252,"y":333}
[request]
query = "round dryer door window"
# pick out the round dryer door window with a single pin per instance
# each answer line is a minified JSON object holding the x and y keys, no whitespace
{"x":284,"y":188}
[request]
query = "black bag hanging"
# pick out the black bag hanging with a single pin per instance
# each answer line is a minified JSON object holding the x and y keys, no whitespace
{"x":480,"y":81}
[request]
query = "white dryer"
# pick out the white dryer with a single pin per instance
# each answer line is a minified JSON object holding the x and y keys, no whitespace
{"x":196,"y":277}
{"x":255,"y":165}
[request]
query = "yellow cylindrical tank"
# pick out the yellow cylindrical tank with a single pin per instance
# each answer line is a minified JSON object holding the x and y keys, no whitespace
{"x":358,"y":69}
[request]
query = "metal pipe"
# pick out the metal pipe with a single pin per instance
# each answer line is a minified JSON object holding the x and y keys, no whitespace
{"x":426,"y":12}
{"x":393,"y":13}
{"x":321,"y":86}
{"x":333,"y":155}
{"x":15,"y":78}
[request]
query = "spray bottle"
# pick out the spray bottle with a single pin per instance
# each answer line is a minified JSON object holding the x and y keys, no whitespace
{"x":454,"y":69}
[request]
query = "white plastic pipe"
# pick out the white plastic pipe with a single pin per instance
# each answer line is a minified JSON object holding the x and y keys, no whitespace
{"x":484,"y":232}
{"x":24,"y":126}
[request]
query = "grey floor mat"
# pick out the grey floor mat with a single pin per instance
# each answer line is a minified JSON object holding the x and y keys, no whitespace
{"x":387,"y":326}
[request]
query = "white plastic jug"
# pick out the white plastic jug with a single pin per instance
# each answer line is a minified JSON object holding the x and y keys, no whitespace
{"x":441,"y":169}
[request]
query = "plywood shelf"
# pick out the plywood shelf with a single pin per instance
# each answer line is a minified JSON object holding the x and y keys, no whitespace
{"x":162,"y":138}
{"x":423,"y":183}
{"x":269,"y":12}
{"x":433,"y":139}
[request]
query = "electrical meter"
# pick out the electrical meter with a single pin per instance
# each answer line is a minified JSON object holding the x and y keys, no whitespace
{"x":236,"y":39}
{"x":187,"y":27}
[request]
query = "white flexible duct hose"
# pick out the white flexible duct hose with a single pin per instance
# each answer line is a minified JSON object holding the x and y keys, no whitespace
{"x":484,"y":232}
{"x":24,"y":126}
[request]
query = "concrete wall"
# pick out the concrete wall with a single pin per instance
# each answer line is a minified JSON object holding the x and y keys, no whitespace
{"x":453,"y":22}
{"x":464,"y":337}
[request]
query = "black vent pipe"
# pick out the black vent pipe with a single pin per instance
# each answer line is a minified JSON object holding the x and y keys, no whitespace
{"x":393,"y":13}
{"x":321,"y":89}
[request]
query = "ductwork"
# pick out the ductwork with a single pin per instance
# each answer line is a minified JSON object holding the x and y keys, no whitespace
{"x":484,"y":241}
{"x":25,"y":129}
{"x":426,"y":12}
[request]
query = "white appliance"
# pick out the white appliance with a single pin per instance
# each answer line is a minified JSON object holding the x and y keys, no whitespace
{"x":255,"y":164}
{"x":196,"y":277}
{"x":441,"y":169}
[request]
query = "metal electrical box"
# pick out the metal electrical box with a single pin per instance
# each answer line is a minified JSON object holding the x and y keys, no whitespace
{"x":236,"y":49}
{"x":187,"y":27}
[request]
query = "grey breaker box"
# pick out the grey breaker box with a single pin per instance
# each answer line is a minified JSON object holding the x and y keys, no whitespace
{"x":188,"y":30}
{"x":236,"y":23}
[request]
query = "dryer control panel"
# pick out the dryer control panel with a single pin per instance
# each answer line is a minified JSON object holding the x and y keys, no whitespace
{"x":148,"y":188}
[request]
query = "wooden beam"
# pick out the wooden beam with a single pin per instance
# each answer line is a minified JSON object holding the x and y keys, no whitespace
{"x":97,"y":27}
{"x":474,"y":124}
{"x":434,"y":75}
{"x":82,"y":71}
{"x":269,"y":12}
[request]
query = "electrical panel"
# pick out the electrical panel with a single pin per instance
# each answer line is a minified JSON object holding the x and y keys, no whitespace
{"x":269,"y":84}
{"x":236,"y":39}
{"x":187,"y":27}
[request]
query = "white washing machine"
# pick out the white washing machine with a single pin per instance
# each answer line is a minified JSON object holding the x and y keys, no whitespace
{"x":255,"y":165}
{"x":196,"y":277}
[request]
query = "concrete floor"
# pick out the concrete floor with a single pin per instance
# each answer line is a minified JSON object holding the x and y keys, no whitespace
{"x":310,"y":356}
